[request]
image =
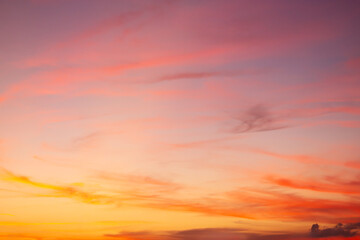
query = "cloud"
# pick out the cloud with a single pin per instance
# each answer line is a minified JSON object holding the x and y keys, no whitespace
{"x":257,"y":118}
{"x":141,"y":193}
{"x":190,"y":234}
{"x":339,"y":230}
{"x":71,"y":81}
{"x":154,"y":193}
{"x":192,"y":75}
{"x":92,"y":139}
{"x":59,"y":190}
{"x":208,"y":74}
{"x":219,"y":41}
{"x":209,"y":234}
{"x":126,"y":22}
{"x":271,"y":204}
{"x":307,"y":159}
{"x":331,"y":186}
{"x":202,"y":143}
{"x":19,"y":236}
{"x":141,"y":235}
{"x":206,"y":234}
{"x":147,"y":184}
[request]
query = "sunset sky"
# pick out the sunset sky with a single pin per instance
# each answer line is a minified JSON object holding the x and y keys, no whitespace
{"x":179,"y":120}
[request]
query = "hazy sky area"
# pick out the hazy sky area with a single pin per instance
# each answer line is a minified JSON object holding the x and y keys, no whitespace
{"x":179,"y":120}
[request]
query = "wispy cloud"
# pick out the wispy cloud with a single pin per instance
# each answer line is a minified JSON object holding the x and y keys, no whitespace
{"x":345,"y":187}
{"x":244,"y":203}
{"x":257,"y":118}
{"x":58,"y":190}
{"x":293,"y":206}
{"x":306,"y":159}
{"x":335,"y":233}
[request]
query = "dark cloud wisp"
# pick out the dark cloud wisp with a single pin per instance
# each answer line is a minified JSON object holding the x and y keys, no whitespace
{"x":256,"y":119}
{"x":348,"y":230}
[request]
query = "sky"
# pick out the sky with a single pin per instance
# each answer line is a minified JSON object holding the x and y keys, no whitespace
{"x":179,"y":120}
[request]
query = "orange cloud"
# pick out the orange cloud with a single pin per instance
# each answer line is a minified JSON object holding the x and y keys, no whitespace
{"x":267,"y":204}
{"x":60,"y":191}
{"x":316,"y":185}
{"x":307,"y":159}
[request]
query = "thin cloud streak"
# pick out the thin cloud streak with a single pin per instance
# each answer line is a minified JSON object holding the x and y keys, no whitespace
{"x":257,"y":119}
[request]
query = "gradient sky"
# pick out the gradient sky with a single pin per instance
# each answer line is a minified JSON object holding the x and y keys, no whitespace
{"x":179,"y":120}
